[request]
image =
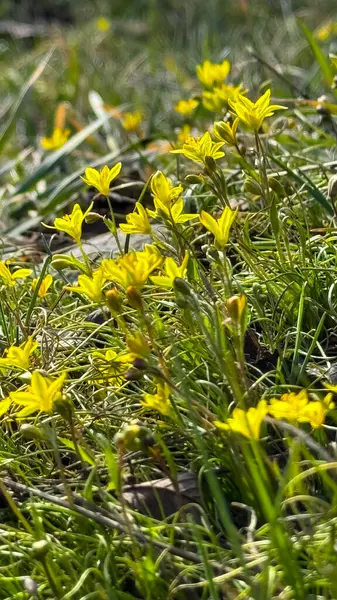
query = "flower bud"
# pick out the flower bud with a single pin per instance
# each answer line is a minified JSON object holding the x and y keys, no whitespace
{"x":31,"y":587}
{"x":31,"y":432}
{"x":194,"y":179}
{"x":332,"y":188}
{"x":92,"y":217}
{"x":210,"y":164}
{"x":277,"y":187}
{"x":236,"y":306}
{"x":64,"y":407}
{"x":134,"y":297}
{"x":62,"y":261}
{"x":114,"y":301}
{"x":140,"y":363}
{"x":252,"y":186}
{"x":40,"y":548}
{"x":182,"y":286}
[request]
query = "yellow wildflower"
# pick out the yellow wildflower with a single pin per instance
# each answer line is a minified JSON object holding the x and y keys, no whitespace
{"x":210,"y":74}
{"x":236,"y":306}
{"x":103,"y":24}
{"x":218,"y":99}
{"x":10,"y":278}
{"x":174,"y":212}
{"x":45,"y":285}
{"x":111,"y":366}
{"x":247,"y":423}
{"x":253,"y":114}
{"x":289,"y":406}
{"x":184,"y":133}
{"x":132,"y":120}
{"x":91,"y":287}
{"x":315,"y":412}
{"x":163,"y":189}
{"x":137,"y":223}
{"x":71,"y":224}
{"x":19,"y":356}
{"x":219,"y":227}
{"x":226,"y":132}
{"x":172,"y":270}
{"x":56,"y":140}
{"x":101,"y":179}
{"x":197,"y":149}
{"x":134,"y":268}
{"x":186,"y":107}
{"x":40,"y":395}
{"x":159,"y":401}
{"x":137,"y":345}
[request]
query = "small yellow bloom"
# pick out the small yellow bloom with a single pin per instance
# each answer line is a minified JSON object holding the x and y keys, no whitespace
{"x":71,"y":224}
{"x":173,"y":212}
{"x":91,"y":287}
{"x":40,"y":395}
{"x":315,"y":412}
{"x":163,"y":189}
{"x":211,"y":74}
{"x":101,"y":179}
{"x":10,"y":278}
{"x":134,"y":268}
{"x":111,"y":367}
{"x":19,"y":356}
{"x":236,"y":307}
{"x":226,"y":132}
{"x":197,"y":149}
{"x":132,"y":120}
{"x":218,"y":99}
{"x":137,"y":223}
{"x":58,"y":138}
{"x":186,"y":107}
{"x":247,"y":423}
{"x":45,"y":285}
{"x":219,"y":227}
{"x":159,"y":401}
{"x":184,"y":133}
{"x":103,"y":24}
{"x":289,"y":406}
{"x":137,"y":345}
{"x":172,"y":270}
{"x":253,"y":114}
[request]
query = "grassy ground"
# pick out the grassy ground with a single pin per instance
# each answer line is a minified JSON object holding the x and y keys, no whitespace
{"x":168,"y":421}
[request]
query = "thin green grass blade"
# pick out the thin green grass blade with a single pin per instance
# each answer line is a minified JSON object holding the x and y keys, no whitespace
{"x":322,"y":60}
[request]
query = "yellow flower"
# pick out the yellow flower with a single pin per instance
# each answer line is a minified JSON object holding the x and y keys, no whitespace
{"x":103,"y":24}
{"x":218,"y":99}
{"x":162,"y":189}
{"x":10,"y":278}
{"x":236,"y":307}
{"x":173,"y":212}
{"x":184,"y":133}
{"x":137,"y":345}
{"x":71,"y":224}
{"x":40,"y":395}
{"x":44,"y":287}
{"x":90,"y":286}
{"x":197,"y":149}
{"x":186,"y":107}
{"x":247,"y":423}
{"x":172,"y":270}
{"x":111,"y":366}
{"x":101,"y":179}
{"x":19,"y":356}
{"x":289,"y":406}
{"x":132,"y":120}
{"x":210,"y":74}
{"x":56,"y":140}
{"x":137,"y":223}
{"x":159,"y":401}
{"x":226,"y":132}
{"x":219,"y":227}
{"x":134,"y":268}
{"x":253,"y":114}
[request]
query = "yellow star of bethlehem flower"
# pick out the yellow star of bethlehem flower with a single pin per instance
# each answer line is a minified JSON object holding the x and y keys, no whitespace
{"x":132,"y":120}
{"x":197,"y":149}
{"x":218,"y":99}
{"x":247,"y":423}
{"x":101,"y":179}
{"x":186,"y":107}
{"x":91,"y":287}
{"x":253,"y":114}
{"x":159,"y":401}
{"x":40,"y":395}
{"x":111,"y":367}
{"x":163,"y":189}
{"x":71,"y":224}
{"x":10,"y":278}
{"x":56,"y":140}
{"x":173,"y":212}
{"x":45,"y":285}
{"x":210,"y":74}
{"x":137,"y":222}
{"x":226,"y":132}
{"x":219,"y":227}
{"x":172,"y":270}
{"x":297,"y":408}
{"x":134,"y":268}
{"x":19,"y":356}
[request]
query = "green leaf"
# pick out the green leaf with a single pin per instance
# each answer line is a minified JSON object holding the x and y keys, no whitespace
{"x":322,"y":60}
{"x":83,"y":453}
